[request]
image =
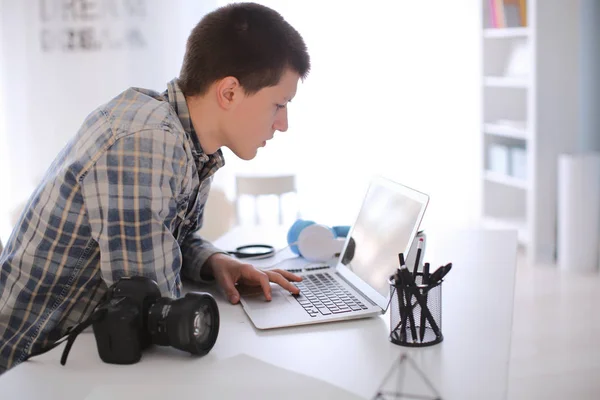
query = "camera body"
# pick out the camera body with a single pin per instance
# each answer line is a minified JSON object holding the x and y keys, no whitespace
{"x":135,"y":316}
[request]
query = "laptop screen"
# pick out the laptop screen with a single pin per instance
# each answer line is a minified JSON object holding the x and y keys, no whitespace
{"x":387,"y":222}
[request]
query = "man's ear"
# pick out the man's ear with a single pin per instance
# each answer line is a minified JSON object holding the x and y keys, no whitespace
{"x":229,"y":92}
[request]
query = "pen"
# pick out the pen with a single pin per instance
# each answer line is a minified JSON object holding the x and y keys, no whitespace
{"x":418,"y":258}
{"x":426,"y":283}
{"x":400,"y":296}
{"x":447,"y":269}
{"x":436,"y":275}
{"x":407,"y":278}
{"x":440,"y":273}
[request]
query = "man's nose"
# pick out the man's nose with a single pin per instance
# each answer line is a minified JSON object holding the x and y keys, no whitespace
{"x":281,"y":123}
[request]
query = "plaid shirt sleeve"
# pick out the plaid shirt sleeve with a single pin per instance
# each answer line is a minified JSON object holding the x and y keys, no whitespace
{"x":131,"y":195}
{"x":196,"y":251}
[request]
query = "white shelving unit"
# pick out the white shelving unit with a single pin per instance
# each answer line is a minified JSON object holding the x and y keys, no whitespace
{"x":533,"y":108}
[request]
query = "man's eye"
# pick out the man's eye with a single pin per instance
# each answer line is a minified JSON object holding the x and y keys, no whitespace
{"x":280,"y":106}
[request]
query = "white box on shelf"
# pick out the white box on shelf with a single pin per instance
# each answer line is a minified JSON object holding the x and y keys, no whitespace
{"x":511,"y":124}
{"x":518,"y":162}
{"x":498,"y":158}
{"x":518,"y":64}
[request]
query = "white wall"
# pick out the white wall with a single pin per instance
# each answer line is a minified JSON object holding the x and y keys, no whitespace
{"x":49,"y":88}
{"x":394,"y":90}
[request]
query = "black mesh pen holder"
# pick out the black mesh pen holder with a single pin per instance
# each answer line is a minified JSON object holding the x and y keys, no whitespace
{"x":416,"y":321}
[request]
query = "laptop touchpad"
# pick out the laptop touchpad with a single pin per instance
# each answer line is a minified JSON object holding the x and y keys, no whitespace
{"x":255,"y":298}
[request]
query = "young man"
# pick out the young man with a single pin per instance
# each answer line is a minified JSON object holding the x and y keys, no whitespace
{"x":126,"y":195}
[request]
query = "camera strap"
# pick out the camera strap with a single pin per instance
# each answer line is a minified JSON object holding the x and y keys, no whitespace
{"x":70,"y":337}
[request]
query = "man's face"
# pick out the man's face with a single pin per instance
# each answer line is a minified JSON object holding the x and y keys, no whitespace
{"x":255,"y":118}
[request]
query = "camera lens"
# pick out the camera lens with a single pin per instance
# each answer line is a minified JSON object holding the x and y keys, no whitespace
{"x":190,"y":323}
{"x":202,"y":323}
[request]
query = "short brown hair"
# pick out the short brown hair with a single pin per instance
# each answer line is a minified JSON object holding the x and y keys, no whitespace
{"x":248,"y":41}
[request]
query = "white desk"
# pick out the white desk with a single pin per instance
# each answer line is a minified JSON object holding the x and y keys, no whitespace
{"x":471,"y":362}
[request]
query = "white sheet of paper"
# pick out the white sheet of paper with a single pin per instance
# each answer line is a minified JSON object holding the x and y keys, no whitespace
{"x":238,"y":377}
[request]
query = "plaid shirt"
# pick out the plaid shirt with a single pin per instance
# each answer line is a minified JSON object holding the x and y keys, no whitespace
{"x":124,"y":197}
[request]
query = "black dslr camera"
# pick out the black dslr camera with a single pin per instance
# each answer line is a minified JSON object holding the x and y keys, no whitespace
{"x":134,"y":316}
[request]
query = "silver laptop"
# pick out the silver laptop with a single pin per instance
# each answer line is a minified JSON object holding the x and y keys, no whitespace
{"x":356,"y":284}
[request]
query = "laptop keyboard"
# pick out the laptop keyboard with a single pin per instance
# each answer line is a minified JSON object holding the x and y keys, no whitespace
{"x":321,"y":294}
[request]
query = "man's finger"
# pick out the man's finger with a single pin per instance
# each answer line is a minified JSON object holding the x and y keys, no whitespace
{"x":288,"y":275}
{"x":229,"y":287}
{"x":253,"y":275}
{"x":283,"y":282}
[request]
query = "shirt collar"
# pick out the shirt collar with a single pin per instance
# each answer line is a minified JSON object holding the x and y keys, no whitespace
{"x":177,"y":100}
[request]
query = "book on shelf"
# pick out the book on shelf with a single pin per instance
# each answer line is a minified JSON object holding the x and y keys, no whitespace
{"x":508,"y":13}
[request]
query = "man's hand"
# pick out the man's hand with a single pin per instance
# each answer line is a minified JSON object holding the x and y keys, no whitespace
{"x":228,"y":271}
